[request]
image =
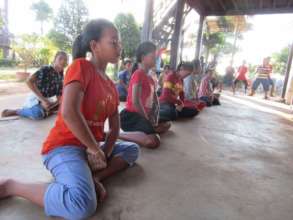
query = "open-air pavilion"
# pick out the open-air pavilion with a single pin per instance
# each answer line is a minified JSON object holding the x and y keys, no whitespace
{"x":232,"y":162}
{"x":205,"y":8}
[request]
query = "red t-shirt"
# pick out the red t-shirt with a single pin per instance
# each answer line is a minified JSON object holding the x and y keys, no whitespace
{"x":99,"y":102}
{"x":242,"y":70}
{"x":147,"y":94}
{"x":172,"y":89}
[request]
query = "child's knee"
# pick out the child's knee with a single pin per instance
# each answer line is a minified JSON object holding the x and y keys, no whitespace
{"x":132,"y":153}
{"x":37,"y":113}
{"x":82,"y":206}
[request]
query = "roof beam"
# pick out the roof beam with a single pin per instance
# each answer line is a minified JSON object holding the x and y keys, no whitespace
{"x":274,"y":3}
{"x":246,"y":4}
{"x":197,"y":5}
{"x":260,"y":4}
{"x":210,"y":5}
{"x":235,"y":4}
{"x":222,"y":4}
{"x":251,"y":11}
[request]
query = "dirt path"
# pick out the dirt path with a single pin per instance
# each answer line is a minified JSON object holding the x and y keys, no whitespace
{"x":10,"y":88}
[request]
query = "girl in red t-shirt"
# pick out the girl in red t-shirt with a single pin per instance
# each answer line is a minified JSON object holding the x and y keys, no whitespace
{"x":140,"y":117}
{"x":89,"y":98}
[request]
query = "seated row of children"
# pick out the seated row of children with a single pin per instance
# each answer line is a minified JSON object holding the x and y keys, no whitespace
{"x":77,"y":151}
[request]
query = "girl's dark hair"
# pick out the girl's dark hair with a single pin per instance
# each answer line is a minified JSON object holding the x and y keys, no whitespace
{"x":185,"y":65}
{"x":196,"y":64}
{"x":92,"y":31}
{"x":60,"y":53}
{"x":167,"y":67}
{"x":143,"y":49}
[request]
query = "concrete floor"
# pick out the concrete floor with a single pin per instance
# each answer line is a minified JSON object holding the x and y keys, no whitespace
{"x":233,"y":162}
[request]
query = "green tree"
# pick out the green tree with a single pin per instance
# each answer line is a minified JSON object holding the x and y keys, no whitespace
{"x":33,"y":50}
{"x":222,"y":34}
{"x":60,"y":40}
{"x":71,"y":18}
{"x":214,"y":43}
{"x":45,"y":52}
{"x":43,"y":12}
{"x":129,"y":32}
{"x":26,"y":49}
{"x":236,"y":25}
{"x":280,"y":60}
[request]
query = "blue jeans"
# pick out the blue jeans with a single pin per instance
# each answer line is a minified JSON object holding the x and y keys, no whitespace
{"x":36,"y":112}
{"x":271,"y":82}
{"x":207,"y":100}
{"x":72,"y":194}
{"x":264,"y":81}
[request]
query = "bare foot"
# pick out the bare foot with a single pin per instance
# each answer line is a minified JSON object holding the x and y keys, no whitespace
{"x":4,"y":184}
{"x":162,"y":127}
{"x":100,"y":190}
{"x":8,"y":113}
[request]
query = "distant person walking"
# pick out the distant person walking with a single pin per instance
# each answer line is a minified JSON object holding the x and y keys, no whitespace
{"x":263,"y":72}
{"x":241,"y":77}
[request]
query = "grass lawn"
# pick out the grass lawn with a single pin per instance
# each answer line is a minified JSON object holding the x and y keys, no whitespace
{"x":8,"y":74}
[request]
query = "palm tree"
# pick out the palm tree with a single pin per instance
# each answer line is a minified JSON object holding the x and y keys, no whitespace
{"x":219,"y":29}
{"x":43,"y":12}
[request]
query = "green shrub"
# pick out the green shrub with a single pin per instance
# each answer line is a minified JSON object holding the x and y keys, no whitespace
{"x":8,"y":63}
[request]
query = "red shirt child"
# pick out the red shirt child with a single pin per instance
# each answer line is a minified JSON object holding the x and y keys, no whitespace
{"x":99,"y":102}
{"x":173,"y":93}
{"x":242,"y":70}
{"x":172,"y":89}
{"x":147,"y":94}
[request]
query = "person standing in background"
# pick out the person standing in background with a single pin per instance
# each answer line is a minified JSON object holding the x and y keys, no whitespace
{"x":241,"y":77}
{"x":124,"y":78}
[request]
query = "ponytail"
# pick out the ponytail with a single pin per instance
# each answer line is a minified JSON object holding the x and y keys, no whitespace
{"x":92,"y":31}
{"x":134,"y":67}
{"x":78,"y":50}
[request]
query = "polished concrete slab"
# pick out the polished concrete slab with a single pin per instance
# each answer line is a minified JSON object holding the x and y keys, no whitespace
{"x":232,"y":162}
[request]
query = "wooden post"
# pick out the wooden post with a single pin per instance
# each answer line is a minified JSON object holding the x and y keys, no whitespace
{"x":199,"y":37}
{"x":181,"y":45}
{"x":146,"y":34}
{"x":6,"y":31}
{"x":287,"y":73}
{"x":236,"y":33}
{"x":176,"y":35}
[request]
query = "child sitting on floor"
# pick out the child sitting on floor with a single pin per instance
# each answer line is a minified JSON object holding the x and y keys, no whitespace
{"x":45,"y":84}
{"x":172,"y":104}
{"x":139,"y":119}
{"x":205,"y":91}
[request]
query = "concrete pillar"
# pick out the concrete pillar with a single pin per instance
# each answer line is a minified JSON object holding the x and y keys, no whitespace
{"x":146,"y":34}
{"x":177,"y":34}
{"x":287,"y":92}
{"x":199,"y":37}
